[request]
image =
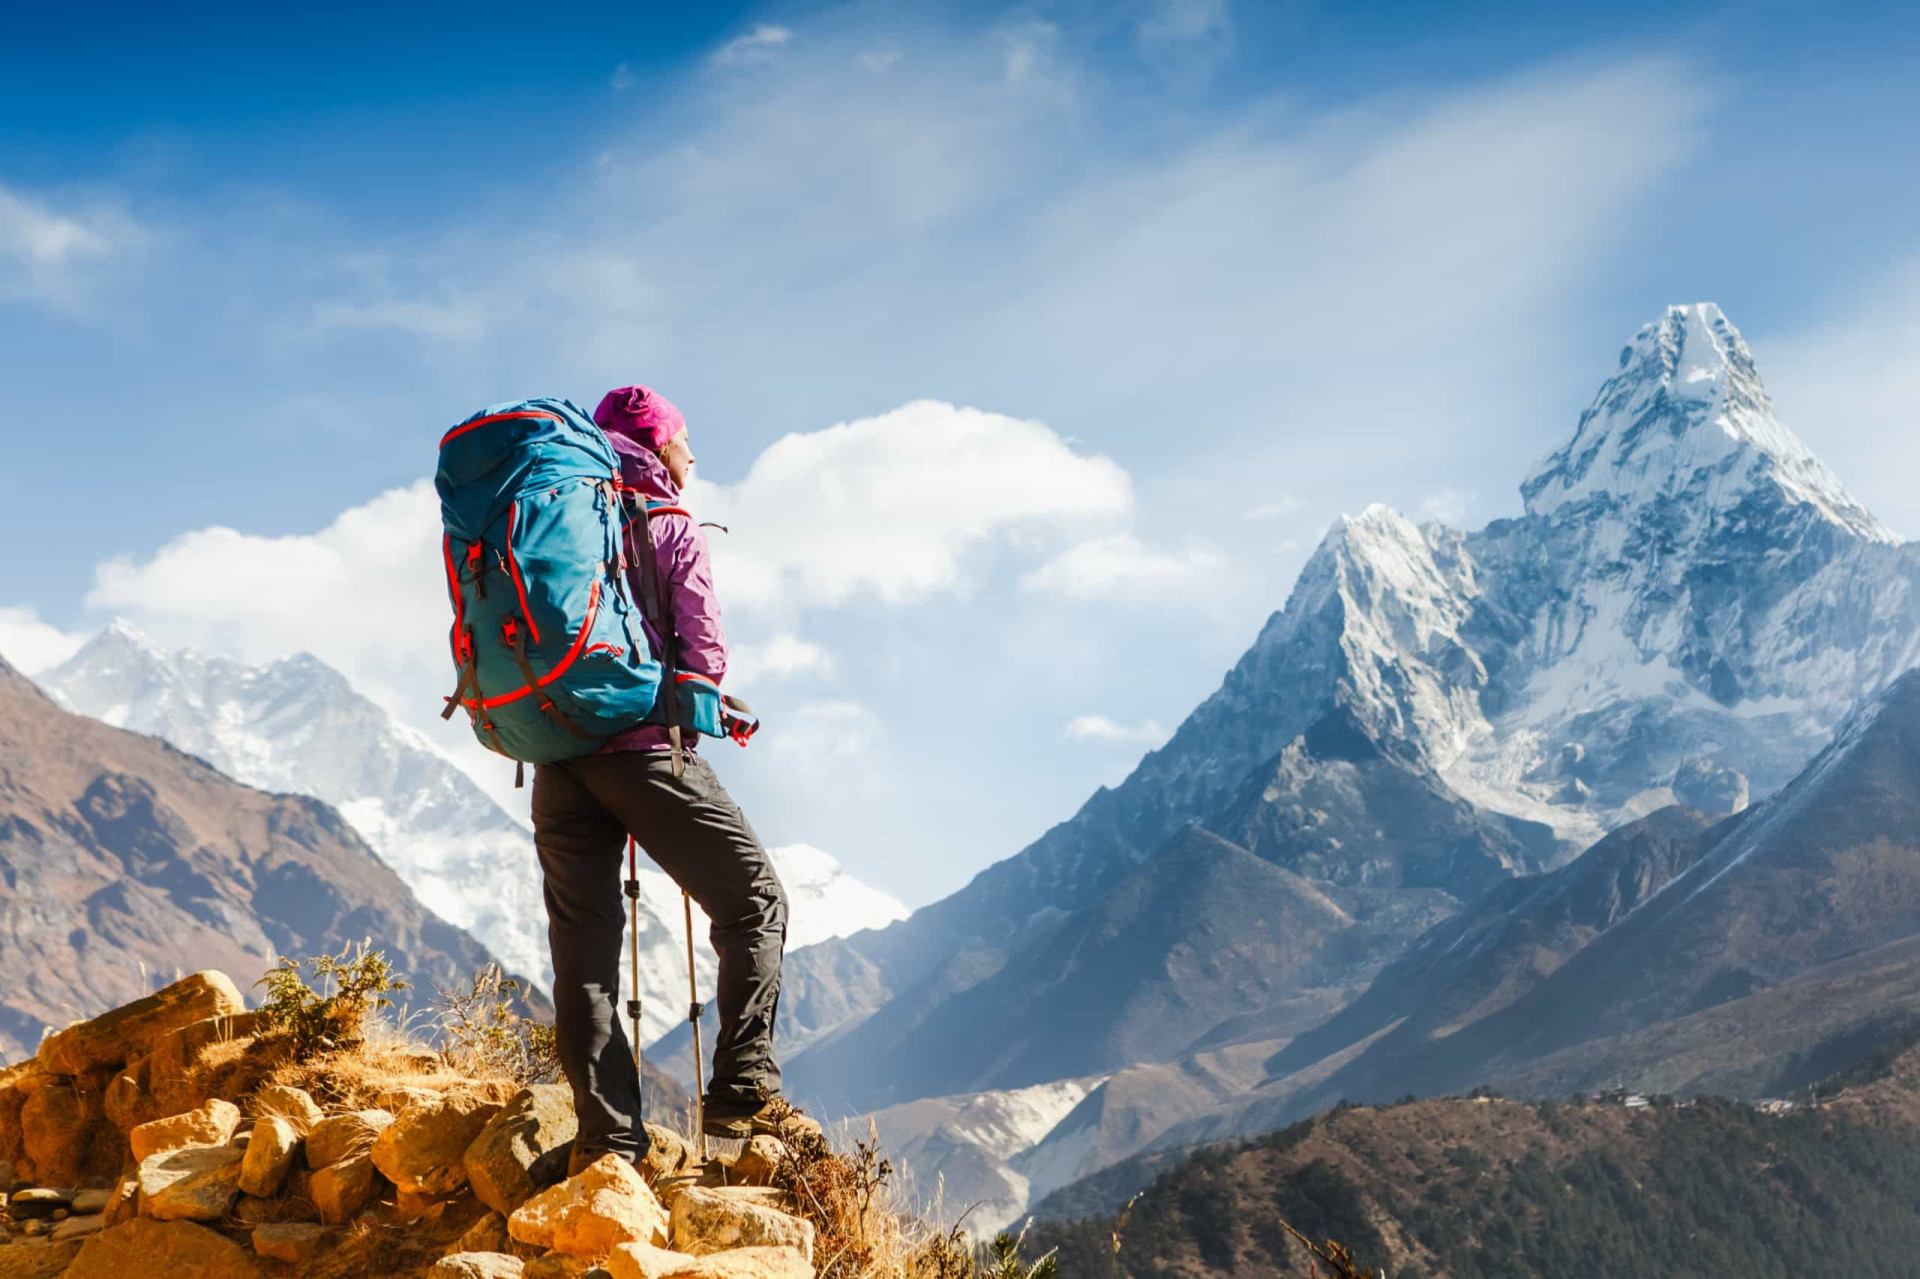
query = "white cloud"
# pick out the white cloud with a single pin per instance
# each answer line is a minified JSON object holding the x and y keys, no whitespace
{"x":889,"y":506}
{"x":1120,"y":566}
{"x":1098,"y":728}
{"x":32,"y":646}
{"x":1448,"y":506}
{"x":42,"y":249}
{"x":757,"y":45}
{"x":622,"y":78}
{"x":1285,"y":504}
{"x":366,"y":594}
{"x":782,"y":657}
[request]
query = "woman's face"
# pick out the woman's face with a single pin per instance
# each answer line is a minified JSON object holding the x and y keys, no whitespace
{"x":678,"y":457}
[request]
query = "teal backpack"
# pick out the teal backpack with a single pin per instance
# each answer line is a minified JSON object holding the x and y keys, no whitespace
{"x":551,"y":660}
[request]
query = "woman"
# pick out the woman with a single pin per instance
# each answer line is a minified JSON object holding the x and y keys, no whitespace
{"x":585,"y":808}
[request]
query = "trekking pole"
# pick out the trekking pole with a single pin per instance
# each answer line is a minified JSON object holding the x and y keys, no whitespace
{"x":694,"y":1009}
{"x":633,"y":925}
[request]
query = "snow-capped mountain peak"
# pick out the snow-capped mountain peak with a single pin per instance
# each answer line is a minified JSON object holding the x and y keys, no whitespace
{"x":1686,"y":416}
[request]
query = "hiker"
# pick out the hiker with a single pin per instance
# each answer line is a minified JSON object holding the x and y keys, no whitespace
{"x":585,"y":808}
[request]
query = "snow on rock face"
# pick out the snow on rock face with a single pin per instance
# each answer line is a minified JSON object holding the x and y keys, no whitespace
{"x":297,"y":726}
{"x":1686,"y":417}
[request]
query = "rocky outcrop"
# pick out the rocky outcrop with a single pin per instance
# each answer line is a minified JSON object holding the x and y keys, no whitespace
{"x":254,"y":1176}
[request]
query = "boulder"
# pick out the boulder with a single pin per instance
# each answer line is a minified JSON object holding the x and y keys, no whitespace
{"x":194,"y":1183}
{"x":210,"y":1125}
{"x":354,"y":1133}
{"x":707,"y":1221}
{"x":341,"y":1189}
{"x":397,"y":1098}
{"x":476,"y":1265}
{"x":176,"y":1053}
{"x":424,"y":1149}
{"x":12,"y":1102}
{"x":644,"y":1261}
{"x":523,"y":1148}
{"x":58,"y":1130}
{"x":127,"y":1100}
{"x":489,"y":1234}
{"x":78,"y":1227}
{"x":608,"y":1203}
{"x":133,"y":1029}
{"x":124,"y":1204}
{"x":40,"y":1201}
{"x":86,"y":1201}
{"x":270,"y":1154}
{"x":162,"y":1250}
{"x":634,"y":1261}
{"x":292,"y":1104}
{"x":558,"y":1265}
{"x":37,"y":1258}
{"x":759,"y":1160}
{"x":294,"y":1241}
{"x":667,"y":1154}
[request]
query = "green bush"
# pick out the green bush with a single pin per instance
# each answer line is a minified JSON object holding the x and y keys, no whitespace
{"x":328,"y":1012}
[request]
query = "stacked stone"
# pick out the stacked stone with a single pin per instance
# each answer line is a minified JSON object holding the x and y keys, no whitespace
{"x":113,"y":1163}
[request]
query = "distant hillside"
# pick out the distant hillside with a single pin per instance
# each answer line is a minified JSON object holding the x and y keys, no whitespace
{"x":1494,"y":1189}
{"x":125,"y":863}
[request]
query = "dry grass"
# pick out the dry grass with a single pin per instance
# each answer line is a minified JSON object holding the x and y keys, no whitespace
{"x":864,"y":1229}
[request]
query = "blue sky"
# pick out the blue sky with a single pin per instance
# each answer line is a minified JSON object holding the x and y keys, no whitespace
{"x":1198,"y":276}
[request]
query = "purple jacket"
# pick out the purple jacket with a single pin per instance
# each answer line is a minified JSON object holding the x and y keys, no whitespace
{"x":680,"y":552}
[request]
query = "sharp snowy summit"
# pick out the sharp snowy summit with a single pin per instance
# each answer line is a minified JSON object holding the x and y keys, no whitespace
{"x":296,"y":726}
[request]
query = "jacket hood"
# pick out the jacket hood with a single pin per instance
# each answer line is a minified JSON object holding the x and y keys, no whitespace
{"x":641,"y":468}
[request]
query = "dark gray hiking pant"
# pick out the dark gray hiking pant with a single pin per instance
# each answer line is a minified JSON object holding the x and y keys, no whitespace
{"x":583,"y":811}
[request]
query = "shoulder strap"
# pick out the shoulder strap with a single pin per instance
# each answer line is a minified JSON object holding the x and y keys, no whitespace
{"x":654,"y":590}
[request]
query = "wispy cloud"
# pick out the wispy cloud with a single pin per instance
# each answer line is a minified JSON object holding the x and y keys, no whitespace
{"x":43,"y":249}
{"x":1448,"y":506}
{"x":1121,"y":567}
{"x":1186,"y":38}
{"x":1285,"y":504}
{"x":756,"y":46}
{"x":1098,"y":728}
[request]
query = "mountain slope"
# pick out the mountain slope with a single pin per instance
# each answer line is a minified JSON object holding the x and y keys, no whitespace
{"x":297,"y":725}
{"x":1204,"y":925}
{"x":124,"y":862}
{"x":1689,"y":607}
{"x":1826,"y":870}
{"x":1502,"y":946}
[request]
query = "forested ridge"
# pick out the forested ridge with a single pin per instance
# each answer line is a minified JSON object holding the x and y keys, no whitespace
{"x":1485,"y":1188}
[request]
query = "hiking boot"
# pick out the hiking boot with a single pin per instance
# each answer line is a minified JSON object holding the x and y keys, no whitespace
{"x":578,"y":1161}
{"x":736,"y":1118}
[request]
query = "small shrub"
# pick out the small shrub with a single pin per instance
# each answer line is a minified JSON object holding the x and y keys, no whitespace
{"x":328,"y":1013}
{"x":1003,"y":1260}
{"x":483,"y":1032}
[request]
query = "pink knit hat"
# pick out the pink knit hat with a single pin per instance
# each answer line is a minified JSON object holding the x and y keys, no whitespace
{"x":641,"y":414}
